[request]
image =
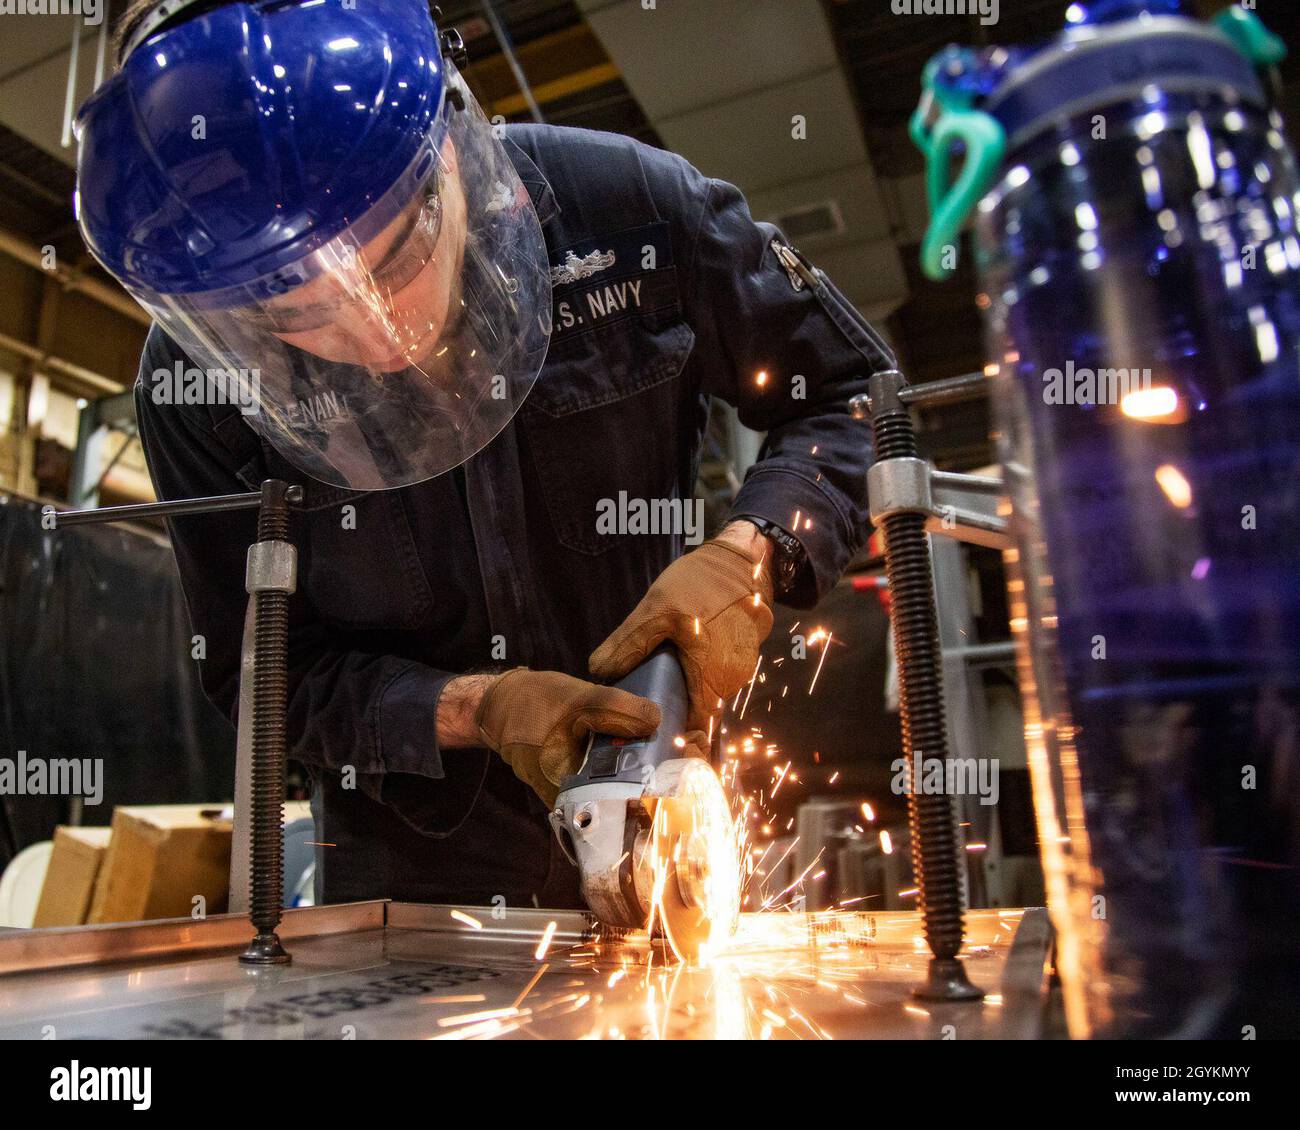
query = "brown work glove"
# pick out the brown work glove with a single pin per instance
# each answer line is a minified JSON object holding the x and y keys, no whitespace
{"x":714,"y":587}
{"x":538,"y":721}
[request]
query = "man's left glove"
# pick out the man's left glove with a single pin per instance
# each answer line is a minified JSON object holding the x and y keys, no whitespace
{"x":714,"y":603}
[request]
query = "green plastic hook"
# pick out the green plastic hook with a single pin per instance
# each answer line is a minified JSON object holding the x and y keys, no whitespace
{"x":1251,"y":37}
{"x":951,"y":202}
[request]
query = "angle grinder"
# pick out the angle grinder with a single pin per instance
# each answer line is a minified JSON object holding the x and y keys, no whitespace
{"x":649,"y":827}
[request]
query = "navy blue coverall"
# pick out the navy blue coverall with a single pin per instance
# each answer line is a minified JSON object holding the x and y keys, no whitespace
{"x":413,"y":586}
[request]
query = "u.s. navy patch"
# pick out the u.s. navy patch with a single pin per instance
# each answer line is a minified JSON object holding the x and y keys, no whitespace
{"x":598,"y":281}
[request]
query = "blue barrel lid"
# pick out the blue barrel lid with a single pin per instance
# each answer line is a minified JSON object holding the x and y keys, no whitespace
{"x":984,"y":104}
{"x":1098,"y":61}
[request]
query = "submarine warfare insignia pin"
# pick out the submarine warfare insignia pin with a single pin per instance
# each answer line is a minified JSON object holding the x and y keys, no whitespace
{"x":574,"y":269}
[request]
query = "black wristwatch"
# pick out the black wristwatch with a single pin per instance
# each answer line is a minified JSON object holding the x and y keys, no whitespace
{"x":788,"y":554}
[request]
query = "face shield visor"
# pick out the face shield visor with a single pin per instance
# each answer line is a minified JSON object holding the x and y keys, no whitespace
{"x":403,"y":345}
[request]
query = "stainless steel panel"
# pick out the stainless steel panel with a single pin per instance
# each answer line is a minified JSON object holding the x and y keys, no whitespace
{"x":26,"y":951}
{"x":455,"y":973}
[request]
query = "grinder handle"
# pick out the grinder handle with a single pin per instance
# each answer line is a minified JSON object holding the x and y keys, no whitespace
{"x":609,"y":758}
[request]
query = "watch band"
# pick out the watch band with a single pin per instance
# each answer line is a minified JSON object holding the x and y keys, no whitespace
{"x":788,"y":553}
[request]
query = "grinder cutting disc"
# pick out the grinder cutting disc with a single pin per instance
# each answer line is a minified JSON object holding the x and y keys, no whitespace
{"x":694,"y":858}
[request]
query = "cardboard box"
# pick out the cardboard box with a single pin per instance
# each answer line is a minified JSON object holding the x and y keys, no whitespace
{"x":70,"y":880}
{"x":160,"y":857}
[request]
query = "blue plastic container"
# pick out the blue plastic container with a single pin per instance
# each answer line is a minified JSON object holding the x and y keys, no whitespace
{"x":1140,"y":263}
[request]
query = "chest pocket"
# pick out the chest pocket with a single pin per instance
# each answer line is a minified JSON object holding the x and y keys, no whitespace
{"x":357,"y":558}
{"x":603,"y":419}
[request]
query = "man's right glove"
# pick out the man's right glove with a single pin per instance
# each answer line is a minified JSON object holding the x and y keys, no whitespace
{"x":715,"y":605}
{"x":538,"y":721}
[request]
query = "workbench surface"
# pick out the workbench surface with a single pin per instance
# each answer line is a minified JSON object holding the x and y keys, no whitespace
{"x":400,"y":970}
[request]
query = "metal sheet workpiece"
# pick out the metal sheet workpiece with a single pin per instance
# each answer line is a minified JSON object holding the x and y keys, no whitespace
{"x":398,"y":970}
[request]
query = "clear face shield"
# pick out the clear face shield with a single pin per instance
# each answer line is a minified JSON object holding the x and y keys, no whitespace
{"x":403,"y":345}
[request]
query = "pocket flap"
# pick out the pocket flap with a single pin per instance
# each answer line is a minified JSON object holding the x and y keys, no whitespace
{"x":599,"y":368}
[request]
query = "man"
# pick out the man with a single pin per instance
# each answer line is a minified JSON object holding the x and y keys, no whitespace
{"x":316,"y":212}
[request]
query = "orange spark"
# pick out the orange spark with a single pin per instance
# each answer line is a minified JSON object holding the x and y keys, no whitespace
{"x":825,"y":648}
{"x":529,"y":987}
{"x":476,"y":1017}
{"x":545,"y":943}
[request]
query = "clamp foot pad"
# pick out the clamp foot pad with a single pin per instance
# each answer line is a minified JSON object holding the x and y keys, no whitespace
{"x":947,"y":981}
{"x":265,"y":949}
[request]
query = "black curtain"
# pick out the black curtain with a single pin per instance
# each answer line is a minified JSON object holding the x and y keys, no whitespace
{"x":95,"y":662}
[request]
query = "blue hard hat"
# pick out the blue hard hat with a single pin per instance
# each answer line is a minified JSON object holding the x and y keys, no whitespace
{"x":309,"y":202}
{"x":234,"y":143}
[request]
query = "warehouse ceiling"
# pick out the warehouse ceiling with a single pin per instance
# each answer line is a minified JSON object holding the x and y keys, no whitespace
{"x":719,"y":81}
{"x":752,"y":92}
{"x":36,"y":178}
